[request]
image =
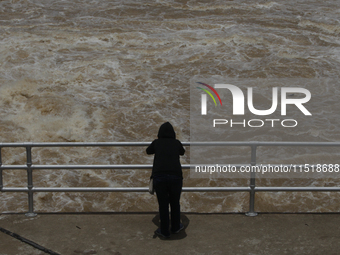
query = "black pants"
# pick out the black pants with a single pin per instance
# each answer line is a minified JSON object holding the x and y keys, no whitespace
{"x":168,"y":190}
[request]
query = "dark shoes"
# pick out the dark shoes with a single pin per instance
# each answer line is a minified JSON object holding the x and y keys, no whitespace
{"x":181,"y":227}
{"x":159,"y":233}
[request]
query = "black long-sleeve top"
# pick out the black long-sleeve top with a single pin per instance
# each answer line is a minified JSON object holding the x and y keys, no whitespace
{"x":167,"y":150}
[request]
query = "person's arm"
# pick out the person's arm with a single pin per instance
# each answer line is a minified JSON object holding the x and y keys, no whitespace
{"x":151,"y":149}
{"x":181,"y":149}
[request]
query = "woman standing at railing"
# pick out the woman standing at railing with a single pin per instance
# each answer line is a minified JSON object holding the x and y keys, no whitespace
{"x":167,"y":178}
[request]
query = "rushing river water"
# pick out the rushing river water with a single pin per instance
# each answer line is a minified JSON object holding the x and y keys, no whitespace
{"x":99,"y":70}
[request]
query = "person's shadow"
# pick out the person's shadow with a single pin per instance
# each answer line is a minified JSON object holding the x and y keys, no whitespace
{"x":182,"y":234}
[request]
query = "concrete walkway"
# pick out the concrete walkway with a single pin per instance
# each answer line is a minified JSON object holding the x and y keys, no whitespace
{"x":128,"y":233}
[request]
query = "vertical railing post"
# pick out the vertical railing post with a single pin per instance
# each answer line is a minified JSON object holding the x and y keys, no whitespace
{"x":252,"y":184}
{"x":1,"y":180}
{"x":30,"y":212}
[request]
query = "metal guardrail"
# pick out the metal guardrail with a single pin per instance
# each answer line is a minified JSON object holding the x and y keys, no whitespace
{"x":252,"y":189}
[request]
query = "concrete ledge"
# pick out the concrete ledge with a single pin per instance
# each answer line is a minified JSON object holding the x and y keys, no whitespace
{"x":133,"y":233}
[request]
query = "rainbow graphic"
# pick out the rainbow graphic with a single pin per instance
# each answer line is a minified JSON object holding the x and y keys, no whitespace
{"x":209,"y":93}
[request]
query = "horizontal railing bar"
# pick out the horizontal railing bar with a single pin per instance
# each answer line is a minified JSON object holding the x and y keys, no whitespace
{"x":86,"y":167}
{"x":264,"y":143}
{"x":75,"y":144}
{"x":54,"y":167}
{"x":214,"y":189}
{"x":91,"y":189}
{"x":306,"y":189}
{"x":13,"y":167}
{"x":141,"y":166}
{"x":122,"y":189}
{"x":114,"y":144}
{"x":136,"y":189}
{"x":14,"y":189}
{"x":184,"y":189}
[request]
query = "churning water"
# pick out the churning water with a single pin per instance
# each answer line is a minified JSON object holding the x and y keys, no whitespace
{"x":99,"y":70}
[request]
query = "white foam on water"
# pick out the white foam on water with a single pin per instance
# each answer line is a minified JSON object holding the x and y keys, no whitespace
{"x":96,"y":71}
